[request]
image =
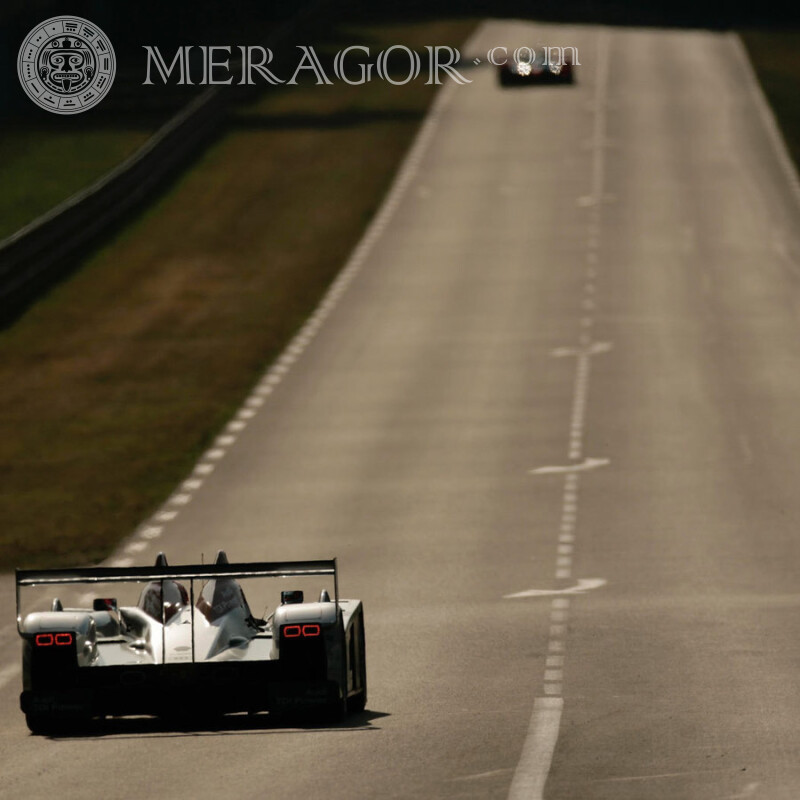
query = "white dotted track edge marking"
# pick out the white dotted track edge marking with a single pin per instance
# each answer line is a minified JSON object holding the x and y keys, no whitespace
{"x":153,"y":528}
{"x":533,"y":768}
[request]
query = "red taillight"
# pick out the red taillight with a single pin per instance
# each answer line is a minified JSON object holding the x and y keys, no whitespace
{"x":49,"y":639}
{"x":296,"y":631}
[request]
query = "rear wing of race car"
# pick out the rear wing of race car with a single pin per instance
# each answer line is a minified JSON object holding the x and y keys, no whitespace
{"x":106,"y":660}
{"x":190,"y":573}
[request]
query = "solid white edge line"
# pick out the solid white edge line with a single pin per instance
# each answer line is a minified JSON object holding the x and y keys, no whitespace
{"x":533,"y":768}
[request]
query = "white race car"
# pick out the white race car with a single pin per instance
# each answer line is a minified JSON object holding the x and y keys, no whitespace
{"x":190,"y":646}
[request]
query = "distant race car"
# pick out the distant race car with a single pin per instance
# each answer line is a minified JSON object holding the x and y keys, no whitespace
{"x":190,"y":646}
{"x":537,"y":70}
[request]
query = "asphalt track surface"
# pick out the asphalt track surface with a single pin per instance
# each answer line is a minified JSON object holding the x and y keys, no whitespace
{"x":603,"y":278}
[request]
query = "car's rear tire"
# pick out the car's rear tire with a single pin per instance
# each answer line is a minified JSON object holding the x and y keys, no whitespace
{"x":357,"y":703}
{"x":50,"y":725}
{"x":335,"y":712}
{"x":38,"y":724}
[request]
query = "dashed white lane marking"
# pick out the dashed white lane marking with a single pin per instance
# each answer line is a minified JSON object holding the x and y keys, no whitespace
{"x":281,"y":367}
{"x":533,"y":768}
{"x":564,"y":573}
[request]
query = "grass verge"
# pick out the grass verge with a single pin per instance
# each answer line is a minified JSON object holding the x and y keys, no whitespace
{"x":39,"y":170}
{"x":776,"y":57}
{"x":114,"y":383}
{"x":46,"y":158}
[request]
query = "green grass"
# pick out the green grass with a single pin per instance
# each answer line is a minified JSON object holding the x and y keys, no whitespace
{"x":46,"y":158}
{"x":114,"y":383}
{"x":40,"y":167}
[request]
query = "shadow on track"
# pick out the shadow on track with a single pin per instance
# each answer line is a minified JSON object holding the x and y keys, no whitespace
{"x":228,"y":725}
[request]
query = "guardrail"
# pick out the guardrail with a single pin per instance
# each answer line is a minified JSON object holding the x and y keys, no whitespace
{"x":44,"y":251}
